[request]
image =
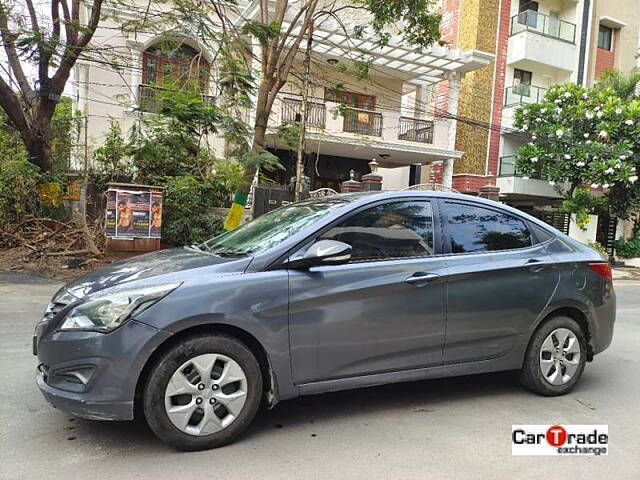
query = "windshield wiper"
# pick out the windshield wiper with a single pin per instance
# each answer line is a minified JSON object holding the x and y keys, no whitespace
{"x":228,"y":252}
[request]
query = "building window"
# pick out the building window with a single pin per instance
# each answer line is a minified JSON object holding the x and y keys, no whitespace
{"x":605,"y":38}
{"x":183,"y":64}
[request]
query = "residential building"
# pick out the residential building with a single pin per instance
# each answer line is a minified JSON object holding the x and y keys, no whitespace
{"x":389,"y":116}
{"x":536,"y":44}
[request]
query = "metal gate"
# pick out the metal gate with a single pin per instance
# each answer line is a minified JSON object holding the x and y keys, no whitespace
{"x":267,"y":198}
{"x":558,"y":220}
{"x":606,"y":233}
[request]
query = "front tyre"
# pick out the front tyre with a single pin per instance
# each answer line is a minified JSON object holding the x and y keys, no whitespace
{"x":203,"y":392}
{"x":555,"y":358}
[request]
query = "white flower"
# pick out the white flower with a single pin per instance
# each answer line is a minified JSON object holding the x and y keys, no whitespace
{"x":567,"y":95}
{"x":594,"y":185}
{"x":580,"y":164}
{"x":605,"y":185}
{"x":585,"y":95}
{"x":551,"y":182}
{"x":559,"y":110}
{"x":628,"y":122}
{"x":603,"y":134}
{"x":618,"y":165}
{"x":567,"y":156}
{"x":557,"y":100}
{"x":633,"y":179}
{"x":589,"y":142}
{"x":597,"y":108}
{"x":543,"y":110}
{"x":534,"y":159}
{"x":589,"y":115}
{"x":534,"y":136}
{"x":525,"y":127}
{"x":586,"y":135}
{"x":609,"y":171}
{"x":559,"y":133}
{"x":618,"y":111}
{"x":599,"y":114}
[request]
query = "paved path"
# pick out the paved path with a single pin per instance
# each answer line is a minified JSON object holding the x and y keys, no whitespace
{"x":454,"y":428}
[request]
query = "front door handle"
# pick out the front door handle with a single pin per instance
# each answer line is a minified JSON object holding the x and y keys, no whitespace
{"x":420,"y":279}
{"x":536,"y":265}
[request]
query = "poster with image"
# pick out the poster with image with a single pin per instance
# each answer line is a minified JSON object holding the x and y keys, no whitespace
{"x":133,"y":214}
{"x":110,"y":215}
{"x":156,"y":215}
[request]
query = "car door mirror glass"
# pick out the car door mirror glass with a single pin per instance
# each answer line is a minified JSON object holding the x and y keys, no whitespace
{"x":322,"y":252}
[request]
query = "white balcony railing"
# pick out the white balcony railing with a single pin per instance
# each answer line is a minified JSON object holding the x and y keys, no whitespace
{"x":334,"y":118}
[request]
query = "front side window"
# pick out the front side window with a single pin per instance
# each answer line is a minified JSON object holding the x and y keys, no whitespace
{"x":390,"y":230}
{"x":476,"y":229}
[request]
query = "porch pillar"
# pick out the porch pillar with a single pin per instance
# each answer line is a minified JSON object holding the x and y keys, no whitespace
{"x":452,"y":110}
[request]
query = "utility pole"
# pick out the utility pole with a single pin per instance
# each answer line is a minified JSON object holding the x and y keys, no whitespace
{"x":303,"y":112}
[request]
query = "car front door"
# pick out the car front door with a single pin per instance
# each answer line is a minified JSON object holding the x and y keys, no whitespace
{"x":499,"y":281}
{"x":384,"y":311}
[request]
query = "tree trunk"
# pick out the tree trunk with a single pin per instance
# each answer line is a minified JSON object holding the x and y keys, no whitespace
{"x":39,"y":149}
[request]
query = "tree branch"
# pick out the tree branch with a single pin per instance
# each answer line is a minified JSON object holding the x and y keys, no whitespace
{"x":8,"y":40}
{"x":12,"y":107}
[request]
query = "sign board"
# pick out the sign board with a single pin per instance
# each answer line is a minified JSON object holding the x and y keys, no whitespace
{"x":133,"y":214}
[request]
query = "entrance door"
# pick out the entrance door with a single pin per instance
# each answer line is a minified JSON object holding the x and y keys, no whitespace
{"x":382,"y":312}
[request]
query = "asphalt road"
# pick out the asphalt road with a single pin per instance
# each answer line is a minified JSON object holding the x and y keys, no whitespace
{"x":456,"y":428}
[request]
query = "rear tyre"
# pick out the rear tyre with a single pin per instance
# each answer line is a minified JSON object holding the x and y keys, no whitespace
{"x":555,"y":358}
{"x":203,"y":392}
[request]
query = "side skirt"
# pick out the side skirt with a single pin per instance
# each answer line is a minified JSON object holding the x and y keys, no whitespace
{"x":511,"y":361}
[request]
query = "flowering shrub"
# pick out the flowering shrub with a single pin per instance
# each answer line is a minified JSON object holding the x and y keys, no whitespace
{"x":581,"y":138}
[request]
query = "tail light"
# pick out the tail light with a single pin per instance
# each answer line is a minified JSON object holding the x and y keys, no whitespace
{"x":602,"y":269}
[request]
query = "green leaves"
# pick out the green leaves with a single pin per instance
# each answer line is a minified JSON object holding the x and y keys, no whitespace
{"x":416,"y":20}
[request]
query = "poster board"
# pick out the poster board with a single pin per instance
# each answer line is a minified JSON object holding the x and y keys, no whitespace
{"x":133,"y":214}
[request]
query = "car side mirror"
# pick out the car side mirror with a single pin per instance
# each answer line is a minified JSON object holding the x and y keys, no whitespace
{"x":322,"y":252}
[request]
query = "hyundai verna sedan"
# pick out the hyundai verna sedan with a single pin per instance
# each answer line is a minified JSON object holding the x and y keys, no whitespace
{"x":328,"y":294}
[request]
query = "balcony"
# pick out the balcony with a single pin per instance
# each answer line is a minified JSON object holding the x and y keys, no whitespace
{"x":415,"y":130}
{"x":518,"y":95}
{"x":341,"y":131}
{"x":552,"y":27}
{"x":292,"y":112}
{"x":543,"y":40}
{"x":508,"y":168}
{"x":362,"y":122}
{"x":513,"y":185}
{"x":150,"y":98}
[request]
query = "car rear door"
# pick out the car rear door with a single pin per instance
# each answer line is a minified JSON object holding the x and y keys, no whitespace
{"x":385,"y":310}
{"x":499,"y":281}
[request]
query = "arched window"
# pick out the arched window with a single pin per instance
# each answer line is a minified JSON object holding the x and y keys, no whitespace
{"x":173,"y":61}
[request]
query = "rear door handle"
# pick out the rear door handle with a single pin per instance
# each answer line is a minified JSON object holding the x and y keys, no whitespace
{"x":420,"y":279}
{"x":536,"y":265}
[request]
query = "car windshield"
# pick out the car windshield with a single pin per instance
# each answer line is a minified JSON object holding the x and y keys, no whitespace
{"x":271,"y":228}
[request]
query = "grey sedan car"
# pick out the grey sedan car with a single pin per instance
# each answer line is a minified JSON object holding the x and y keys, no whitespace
{"x":327,"y":294}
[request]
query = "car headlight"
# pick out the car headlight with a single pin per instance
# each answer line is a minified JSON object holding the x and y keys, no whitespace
{"x":104,"y":313}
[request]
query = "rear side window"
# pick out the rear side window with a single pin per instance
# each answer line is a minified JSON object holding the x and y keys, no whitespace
{"x":390,"y":230}
{"x":476,"y":229}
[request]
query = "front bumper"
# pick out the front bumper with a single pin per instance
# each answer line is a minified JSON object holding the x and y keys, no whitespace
{"x":77,"y":405}
{"x":94,"y":375}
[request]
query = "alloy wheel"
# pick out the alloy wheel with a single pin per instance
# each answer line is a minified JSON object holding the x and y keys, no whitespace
{"x":560,"y":356}
{"x":206,"y":394}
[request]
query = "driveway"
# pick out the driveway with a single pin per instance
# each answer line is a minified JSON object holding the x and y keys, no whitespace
{"x":457,"y":428}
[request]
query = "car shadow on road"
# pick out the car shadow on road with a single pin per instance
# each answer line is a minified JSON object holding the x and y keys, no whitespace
{"x":426,"y":396}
